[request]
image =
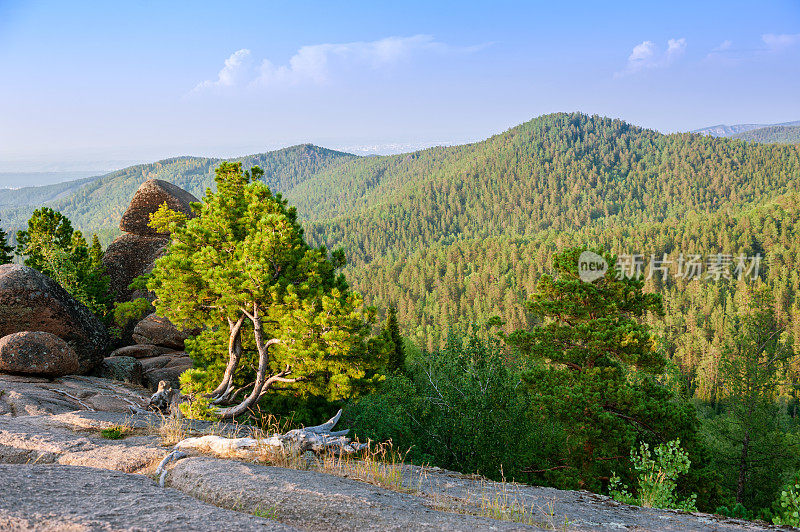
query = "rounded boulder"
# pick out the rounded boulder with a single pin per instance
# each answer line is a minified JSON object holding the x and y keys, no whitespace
{"x":37,"y":353}
{"x":155,"y":330}
{"x":128,"y":257}
{"x":31,"y":301}
{"x":148,"y":198}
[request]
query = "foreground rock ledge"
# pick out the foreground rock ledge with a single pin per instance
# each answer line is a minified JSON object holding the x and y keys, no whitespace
{"x":57,"y":497}
{"x":56,"y":426}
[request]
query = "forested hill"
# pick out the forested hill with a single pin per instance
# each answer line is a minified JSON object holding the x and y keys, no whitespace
{"x":454,"y":235}
{"x":557,"y":172}
{"x":779,"y":134}
{"x":97,"y":206}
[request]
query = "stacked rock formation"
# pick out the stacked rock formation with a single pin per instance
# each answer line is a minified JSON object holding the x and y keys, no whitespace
{"x":44,"y":330}
{"x":134,"y":253}
{"x":157,"y":352}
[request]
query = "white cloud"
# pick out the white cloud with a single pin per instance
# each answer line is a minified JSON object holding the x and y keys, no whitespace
{"x":723,"y":46}
{"x":318,"y":63}
{"x":777,"y":42}
{"x":647,"y":55}
{"x":236,"y":67}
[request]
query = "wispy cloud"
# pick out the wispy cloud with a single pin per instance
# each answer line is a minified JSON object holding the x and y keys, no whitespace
{"x":235,"y":69}
{"x":777,"y":42}
{"x":317,"y":64}
{"x":648,"y":55}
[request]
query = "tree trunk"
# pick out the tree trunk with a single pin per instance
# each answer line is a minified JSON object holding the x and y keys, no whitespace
{"x":743,"y":457}
{"x":234,"y":354}
{"x":263,"y":365}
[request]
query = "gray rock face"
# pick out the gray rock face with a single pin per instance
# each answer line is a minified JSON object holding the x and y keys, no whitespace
{"x":31,"y":301}
{"x":37,"y":353}
{"x":22,"y":395}
{"x":140,"y":351}
{"x":164,"y":368}
{"x":148,"y":198}
{"x":128,"y":257}
{"x":155,"y":330}
{"x":121,"y":368}
{"x":45,"y":446}
{"x":58,"y":497}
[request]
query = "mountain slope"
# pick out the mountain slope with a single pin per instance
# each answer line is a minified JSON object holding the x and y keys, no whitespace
{"x":455,"y":235}
{"x":722,"y":130}
{"x":36,"y":195}
{"x":558,"y":172}
{"x":772,"y":134}
{"x":97,"y":206}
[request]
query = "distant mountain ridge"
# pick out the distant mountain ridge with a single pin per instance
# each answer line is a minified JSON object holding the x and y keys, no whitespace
{"x":723,"y":130}
{"x":454,"y":235}
{"x":772,"y":135}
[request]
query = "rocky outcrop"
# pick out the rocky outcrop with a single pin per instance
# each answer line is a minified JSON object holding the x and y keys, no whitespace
{"x":148,"y":198}
{"x":107,"y":500}
{"x":37,"y":353}
{"x":155,"y":330}
{"x":140,"y":351}
{"x":31,"y":301}
{"x":165,"y":368}
{"x":45,"y":445}
{"x":121,"y":368}
{"x":134,"y":253}
{"x":128,"y":257}
{"x":22,"y":395}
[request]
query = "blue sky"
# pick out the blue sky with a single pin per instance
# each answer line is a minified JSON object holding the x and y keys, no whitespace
{"x":104,"y":84}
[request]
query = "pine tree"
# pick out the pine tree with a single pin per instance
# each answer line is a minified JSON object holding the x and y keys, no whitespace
{"x":397,"y":356}
{"x":6,"y":251}
{"x":591,"y":367}
{"x":242,"y":266}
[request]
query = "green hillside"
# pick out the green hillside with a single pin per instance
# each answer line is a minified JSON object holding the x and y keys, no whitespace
{"x":455,"y":235}
{"x":97,"y":207}
{"x":777,"y":134}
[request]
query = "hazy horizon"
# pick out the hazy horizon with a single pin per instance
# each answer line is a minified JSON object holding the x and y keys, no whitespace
{"x":91,"y":94}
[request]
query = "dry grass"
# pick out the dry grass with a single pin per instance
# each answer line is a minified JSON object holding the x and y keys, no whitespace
{"x":171,"y":430}
{"x":118,"y":431}
{"x":381,"y":465}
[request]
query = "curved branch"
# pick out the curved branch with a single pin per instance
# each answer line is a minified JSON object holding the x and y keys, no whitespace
{"x":263,"y":364}
{"x":234,"y":355}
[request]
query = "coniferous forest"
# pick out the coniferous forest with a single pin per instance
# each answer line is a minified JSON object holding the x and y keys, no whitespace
{"x":490,"y":354}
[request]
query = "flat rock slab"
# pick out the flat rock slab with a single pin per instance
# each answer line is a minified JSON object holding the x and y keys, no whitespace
{"x":55,"y":497}
{"x":32,"y":396}
{"x":48,"y":438}
{"x":580,"y":510}
{"x":317,"y":501}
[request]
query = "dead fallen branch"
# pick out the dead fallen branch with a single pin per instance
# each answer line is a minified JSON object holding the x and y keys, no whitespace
{"x":320,"y":438}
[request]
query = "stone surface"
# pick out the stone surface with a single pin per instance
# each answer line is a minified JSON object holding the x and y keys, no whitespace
{"x":36,"y":396}
{"x":141,"y":351}
{"x":164,"y":368}
{"x":148,"y":198}
{"x":46,"y":486}
{"x":155,"y":330}
{"x":128,"y":257}
{"x":122,"y":368}
{"x":31,"y":301}
{"x":37,"y":353}
{"x":57,"y":497}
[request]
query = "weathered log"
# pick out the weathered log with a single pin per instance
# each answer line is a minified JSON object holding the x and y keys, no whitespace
{"x":319,"y":438}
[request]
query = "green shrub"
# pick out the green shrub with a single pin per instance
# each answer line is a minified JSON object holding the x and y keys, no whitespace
{"x":657,"y":476}
{"x":788,"y":505}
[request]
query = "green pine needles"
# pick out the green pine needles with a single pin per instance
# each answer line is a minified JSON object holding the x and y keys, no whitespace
{"x":274,"y":312}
